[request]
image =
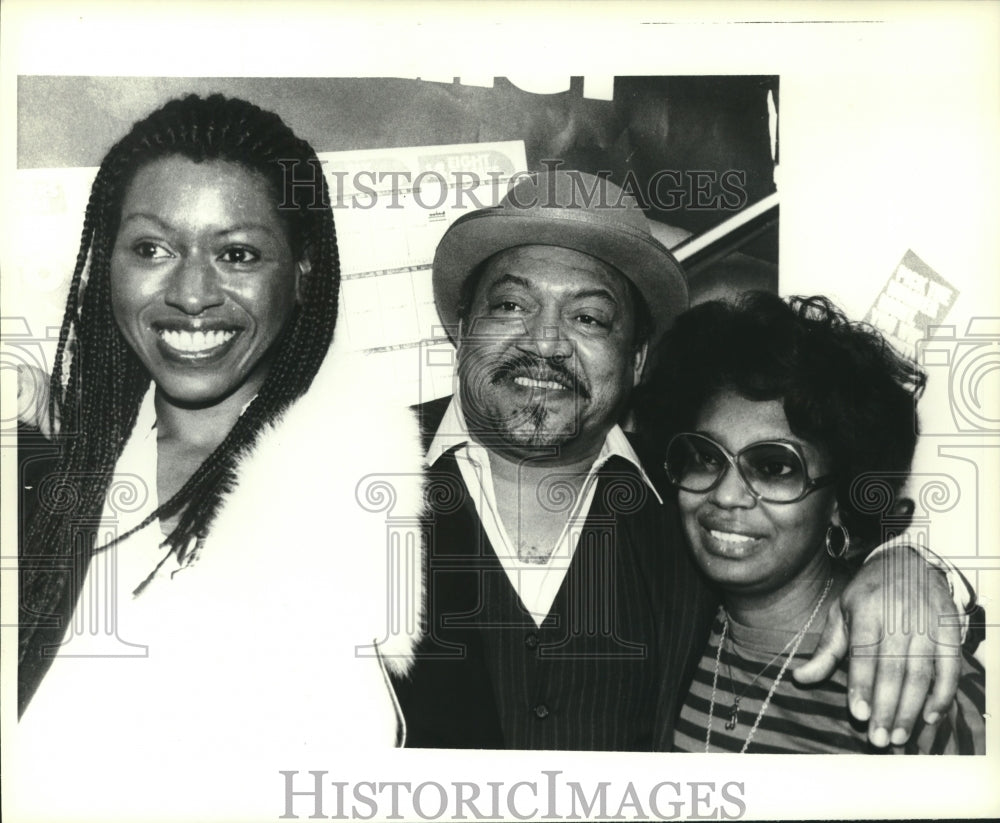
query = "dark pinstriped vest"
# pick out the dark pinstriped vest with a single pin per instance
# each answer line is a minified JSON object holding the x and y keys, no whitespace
{"x":608,"y":668}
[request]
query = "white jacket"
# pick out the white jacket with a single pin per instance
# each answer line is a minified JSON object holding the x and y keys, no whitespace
{"x":262,"y":655}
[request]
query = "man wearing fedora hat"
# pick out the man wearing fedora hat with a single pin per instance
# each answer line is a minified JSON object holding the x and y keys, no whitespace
{"x":563,"y":611}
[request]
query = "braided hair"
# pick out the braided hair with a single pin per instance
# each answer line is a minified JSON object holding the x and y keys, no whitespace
{"x":98,"y":382}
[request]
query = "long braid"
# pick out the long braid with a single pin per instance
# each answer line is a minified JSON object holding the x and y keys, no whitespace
{"x":98,"y":400}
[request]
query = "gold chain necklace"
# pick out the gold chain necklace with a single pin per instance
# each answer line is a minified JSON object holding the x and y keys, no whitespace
{"x":734,"y":709}
{"x":795,"y":643}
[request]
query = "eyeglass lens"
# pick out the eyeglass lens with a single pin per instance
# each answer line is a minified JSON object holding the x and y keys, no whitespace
{"x":773,"y":471}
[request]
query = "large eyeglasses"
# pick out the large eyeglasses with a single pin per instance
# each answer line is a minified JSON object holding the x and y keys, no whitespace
{"x":773,"y":471}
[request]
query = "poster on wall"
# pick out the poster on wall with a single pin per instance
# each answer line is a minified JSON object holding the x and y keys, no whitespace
{"x":392,"y":201}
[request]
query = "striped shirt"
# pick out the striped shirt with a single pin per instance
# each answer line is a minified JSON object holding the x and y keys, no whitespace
{"x":806,"y":719}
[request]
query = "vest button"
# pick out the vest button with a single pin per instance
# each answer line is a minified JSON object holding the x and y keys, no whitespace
{"x":541,"y":711}
{"x":531,"y":640}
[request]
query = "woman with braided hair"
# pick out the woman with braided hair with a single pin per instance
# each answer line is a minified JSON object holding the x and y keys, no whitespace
{"x":203,"y":572}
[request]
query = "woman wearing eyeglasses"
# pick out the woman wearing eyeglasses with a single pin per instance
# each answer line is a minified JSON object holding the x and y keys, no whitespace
{"x":780,"y":408}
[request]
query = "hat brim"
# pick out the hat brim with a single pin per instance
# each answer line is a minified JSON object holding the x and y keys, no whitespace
{"x":478,"y":235}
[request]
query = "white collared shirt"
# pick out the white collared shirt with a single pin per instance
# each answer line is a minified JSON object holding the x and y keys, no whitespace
{"x":536,"y":584}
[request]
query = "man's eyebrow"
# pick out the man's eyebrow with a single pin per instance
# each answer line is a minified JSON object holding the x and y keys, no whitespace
{"x":525,"y":283}
{"x":511,"y":280}
{"x":607,"y":295}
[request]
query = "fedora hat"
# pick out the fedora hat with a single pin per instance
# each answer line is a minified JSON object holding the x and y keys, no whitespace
{"x":572,"y":210}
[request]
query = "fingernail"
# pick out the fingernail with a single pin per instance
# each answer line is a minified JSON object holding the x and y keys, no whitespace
{"x":899,"y":737}
{"x":862,"y":710}
{"x":932,"y":718}
{"x":880,"y":738}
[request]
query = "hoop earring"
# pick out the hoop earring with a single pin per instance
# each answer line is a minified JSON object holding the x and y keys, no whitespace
{"x":837,"y":555}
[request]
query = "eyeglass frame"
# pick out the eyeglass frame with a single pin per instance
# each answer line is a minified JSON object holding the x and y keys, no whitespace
{"x":812,"y":483}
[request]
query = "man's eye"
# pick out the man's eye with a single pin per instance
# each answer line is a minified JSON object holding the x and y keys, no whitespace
{"x":239,"y":254}
{"x":148,"y":250}
{"x":590,"y":320}
{"x":507,"y":306}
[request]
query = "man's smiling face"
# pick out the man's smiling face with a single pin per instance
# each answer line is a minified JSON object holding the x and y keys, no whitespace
{"x":547,"y":356}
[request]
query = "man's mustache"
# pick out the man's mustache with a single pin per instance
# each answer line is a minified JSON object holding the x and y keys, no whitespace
{"x":542,"y":369}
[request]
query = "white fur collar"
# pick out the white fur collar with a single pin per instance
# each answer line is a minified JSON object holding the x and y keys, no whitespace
{"x":335,"y":488}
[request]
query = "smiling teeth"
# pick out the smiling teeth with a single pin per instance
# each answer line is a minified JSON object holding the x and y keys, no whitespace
{"x":196,"y":341}
{"x":539,"y":384}
{"x":729,"y":537}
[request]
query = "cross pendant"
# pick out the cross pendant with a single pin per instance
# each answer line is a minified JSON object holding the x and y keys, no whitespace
{"x":734,"y":716}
